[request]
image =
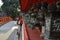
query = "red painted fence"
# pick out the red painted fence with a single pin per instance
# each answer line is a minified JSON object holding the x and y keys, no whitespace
{"x":24,"y":32}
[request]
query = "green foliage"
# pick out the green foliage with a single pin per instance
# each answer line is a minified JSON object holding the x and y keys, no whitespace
{"x":0,"y":10}
{"x":10,"y":7}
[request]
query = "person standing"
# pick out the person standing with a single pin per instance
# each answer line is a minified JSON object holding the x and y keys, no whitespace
{"x":19,"y":23}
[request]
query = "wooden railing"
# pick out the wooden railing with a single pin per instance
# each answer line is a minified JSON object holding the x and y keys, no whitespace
{"x":5,"y":19}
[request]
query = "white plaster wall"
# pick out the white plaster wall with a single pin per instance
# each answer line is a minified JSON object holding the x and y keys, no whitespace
{"x":9,"y":31}
{"x":13,"y":35}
